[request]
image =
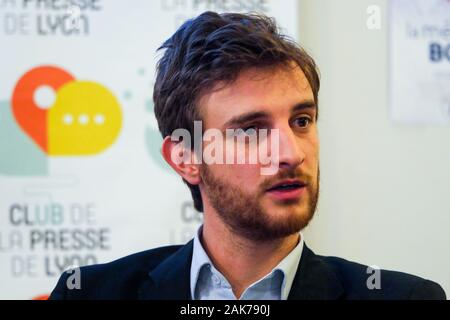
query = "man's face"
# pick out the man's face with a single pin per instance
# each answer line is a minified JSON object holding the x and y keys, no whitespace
{"x":271,"y":98}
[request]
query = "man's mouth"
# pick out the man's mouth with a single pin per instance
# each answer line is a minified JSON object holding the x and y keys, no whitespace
{"x":287,"y":185}
{"x":287,"y":189}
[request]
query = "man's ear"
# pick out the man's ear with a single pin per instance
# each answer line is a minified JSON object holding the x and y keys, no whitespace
{"x":181,"y":159}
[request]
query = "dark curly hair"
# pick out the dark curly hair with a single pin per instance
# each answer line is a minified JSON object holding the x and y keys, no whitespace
{"x":213,"y":48}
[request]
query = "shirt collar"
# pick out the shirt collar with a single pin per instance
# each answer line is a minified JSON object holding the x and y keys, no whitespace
{"x":199,"y":259}
{"x":288,"y":266}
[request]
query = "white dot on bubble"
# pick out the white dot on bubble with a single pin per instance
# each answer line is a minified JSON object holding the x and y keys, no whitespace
{"x":68,"y":118}
{"x":99,"y":118}
{"x":83,"y":119}
{"x":44,"y":97}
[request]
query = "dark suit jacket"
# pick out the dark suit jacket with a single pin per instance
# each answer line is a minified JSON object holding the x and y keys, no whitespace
{"x":164,"y":273}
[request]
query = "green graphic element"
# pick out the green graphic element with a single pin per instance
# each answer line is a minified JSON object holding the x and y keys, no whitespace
{"x":19,"y":155}
{"x":127,"y":95}
{"x":153,"y":138}
{"x":149,"y":105}
{"x":141,"y":71}
{"x":153,"y":141}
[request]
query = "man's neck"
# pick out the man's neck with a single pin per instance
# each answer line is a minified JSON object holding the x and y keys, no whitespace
{"x":240,"y":260}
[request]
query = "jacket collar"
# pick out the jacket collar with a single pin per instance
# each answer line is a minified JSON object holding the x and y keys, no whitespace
{"x":170,"y":280}
{"x":315,"y":280}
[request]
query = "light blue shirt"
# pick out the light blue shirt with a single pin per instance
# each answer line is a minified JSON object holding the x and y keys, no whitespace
{"x":207,"y":283}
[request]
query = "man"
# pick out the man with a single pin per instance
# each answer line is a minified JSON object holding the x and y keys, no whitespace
{"x":236,"y":72}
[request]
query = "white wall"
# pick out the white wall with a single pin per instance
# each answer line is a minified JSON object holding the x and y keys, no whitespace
{"x":385,"y":197}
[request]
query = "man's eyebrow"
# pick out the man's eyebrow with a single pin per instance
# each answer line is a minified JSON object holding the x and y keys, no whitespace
{"x":255,"y":115}
{"x":246,"y":117}
{"x":308,"y":104}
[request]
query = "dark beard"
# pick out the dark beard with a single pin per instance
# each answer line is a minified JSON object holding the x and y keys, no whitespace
{"x":246,"y":217}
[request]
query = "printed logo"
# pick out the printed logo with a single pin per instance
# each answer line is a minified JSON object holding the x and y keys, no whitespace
{"x":59,"y":115}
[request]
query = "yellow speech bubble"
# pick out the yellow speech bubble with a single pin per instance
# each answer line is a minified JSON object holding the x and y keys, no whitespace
{"x":85,"y":119}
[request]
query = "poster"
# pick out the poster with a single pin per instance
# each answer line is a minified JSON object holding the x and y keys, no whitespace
{"x":419,"y":66}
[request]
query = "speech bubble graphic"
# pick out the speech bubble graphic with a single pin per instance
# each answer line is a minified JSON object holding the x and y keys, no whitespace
{"x":64,"y":116}
{"x":85,"y":119}
{"x":30,"y":117}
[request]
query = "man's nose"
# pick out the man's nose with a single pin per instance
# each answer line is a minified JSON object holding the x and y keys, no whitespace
{"x":291,"y":153}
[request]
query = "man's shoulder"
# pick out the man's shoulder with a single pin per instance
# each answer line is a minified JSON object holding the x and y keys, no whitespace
{"x":118,"y":279}
{"x":360,"y":281}
{"x":149,"y":258}
{"x":145,"y":260}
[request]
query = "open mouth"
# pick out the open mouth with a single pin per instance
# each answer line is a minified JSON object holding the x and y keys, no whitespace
{"x":287,"y":185}
{"x":287,"y":190}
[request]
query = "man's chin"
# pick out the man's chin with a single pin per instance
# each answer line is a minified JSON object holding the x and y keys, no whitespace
{"x":272,"y":221}
{"x":297,"y":214}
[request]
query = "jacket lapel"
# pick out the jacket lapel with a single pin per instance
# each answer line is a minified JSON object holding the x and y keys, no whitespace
{"x":315,"y":280}
{"x":170,"y":280}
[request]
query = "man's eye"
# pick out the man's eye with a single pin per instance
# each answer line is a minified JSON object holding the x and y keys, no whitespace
{"x":250,"y":131}
{"x":302,"y":122}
